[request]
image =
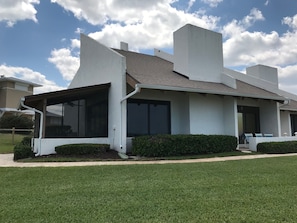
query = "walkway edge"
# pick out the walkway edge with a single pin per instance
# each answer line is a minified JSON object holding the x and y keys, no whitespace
{"x":6,"y":160}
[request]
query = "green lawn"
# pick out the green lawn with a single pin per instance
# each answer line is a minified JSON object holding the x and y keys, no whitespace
{"x":7,"y":143}
{"x":260,"y":190}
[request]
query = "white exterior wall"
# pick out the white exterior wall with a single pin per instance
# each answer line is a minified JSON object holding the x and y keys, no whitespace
{"x":99,"y":65}
{"x":269,"y":118}
{"x":285,"y":123}
{"x":47,"y":146}
{"x":254,"y":141}
{"x":206,"y":114}
{"x":230,"y":116}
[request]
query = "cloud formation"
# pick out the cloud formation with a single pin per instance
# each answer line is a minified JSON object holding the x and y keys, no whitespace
{"x":212,"y":3}
{"x":64,"y":62}
{"x":12,"y":11}
{"x":27,"y":74}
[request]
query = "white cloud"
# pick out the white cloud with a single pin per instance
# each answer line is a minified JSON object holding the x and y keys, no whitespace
{"x":12,"y":11}
{"x":266,"y":3}
{"x":290,"y":21}
{"x":236,"y":27}
{"x":28,"y":74}
{"x":244,"y":48}
{"x":143,"y":24}
{"x":190,"y":4}
{"x":212,"y":3}
{"x":64,"y":62}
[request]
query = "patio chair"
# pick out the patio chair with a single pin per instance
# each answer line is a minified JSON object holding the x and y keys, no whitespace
{"x":258,"y":135}
{"x":268,"y":135}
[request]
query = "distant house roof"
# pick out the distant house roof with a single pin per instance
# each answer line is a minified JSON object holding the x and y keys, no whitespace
{"x":153,"y":71}
{"x":3,"y":79}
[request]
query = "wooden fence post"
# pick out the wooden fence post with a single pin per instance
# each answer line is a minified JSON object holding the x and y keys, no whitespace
{"x":13,"y":131}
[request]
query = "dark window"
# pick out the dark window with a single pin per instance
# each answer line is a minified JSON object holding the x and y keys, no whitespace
{"x":83,"y":117}
{"x":147,"y":117}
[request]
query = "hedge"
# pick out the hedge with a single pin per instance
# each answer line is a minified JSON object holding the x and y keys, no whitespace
{"x":23,"y":149}
{"x":177,"y":145}
{"x":277,"y":147}
{"x":82,"y":149}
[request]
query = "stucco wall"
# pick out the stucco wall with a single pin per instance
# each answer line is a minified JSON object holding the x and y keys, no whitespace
{"x":206,"y":114}
{"x":285,"y":123}
{"x":47,"y":146}
{"x":269,"y":118}
{"x":99,"y":65}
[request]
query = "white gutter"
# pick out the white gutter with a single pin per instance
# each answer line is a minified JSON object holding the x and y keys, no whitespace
{"x":137,"y":90}
{"x":40,"y":125}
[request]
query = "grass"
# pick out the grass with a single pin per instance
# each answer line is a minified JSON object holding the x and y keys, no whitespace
{"x":260,"y":190}
{"x":6,"y":142}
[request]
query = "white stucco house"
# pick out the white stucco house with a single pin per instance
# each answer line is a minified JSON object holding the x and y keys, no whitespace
{"x":117,"y":94}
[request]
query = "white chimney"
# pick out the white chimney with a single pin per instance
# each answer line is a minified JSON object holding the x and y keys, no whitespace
{"x":124,"y":46}
{"x":198,"y":53}
{"x":263,"y":72}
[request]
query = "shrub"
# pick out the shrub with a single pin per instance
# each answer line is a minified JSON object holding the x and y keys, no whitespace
{"x":23,"y":149}
{"x":176,"y":145}
{"x":26,"y":141}
{"x":277,"y":147}
{"x":82,"y":149}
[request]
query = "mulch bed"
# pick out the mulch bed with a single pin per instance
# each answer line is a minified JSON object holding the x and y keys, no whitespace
{"x":109,"y":155}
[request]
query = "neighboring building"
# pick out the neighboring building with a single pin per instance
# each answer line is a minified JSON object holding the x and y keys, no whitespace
{"x":117,"y":94}
{"x":11,"y":90}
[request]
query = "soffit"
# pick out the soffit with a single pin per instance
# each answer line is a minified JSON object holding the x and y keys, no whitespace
{"x":57,"y":97}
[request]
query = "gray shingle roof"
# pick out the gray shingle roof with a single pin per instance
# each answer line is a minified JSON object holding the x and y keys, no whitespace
{"x":154,"y":71}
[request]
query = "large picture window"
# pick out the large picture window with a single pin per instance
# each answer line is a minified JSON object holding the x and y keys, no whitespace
{"x":85,"y":116}
{"x":148,"y":117}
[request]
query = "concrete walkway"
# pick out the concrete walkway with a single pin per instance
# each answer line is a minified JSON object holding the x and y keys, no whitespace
{"x":6,"y":160}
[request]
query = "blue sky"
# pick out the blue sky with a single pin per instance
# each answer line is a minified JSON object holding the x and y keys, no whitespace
{"x":39,"y":40}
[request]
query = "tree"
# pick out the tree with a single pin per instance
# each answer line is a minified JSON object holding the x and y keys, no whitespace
{"x":19,"y":122}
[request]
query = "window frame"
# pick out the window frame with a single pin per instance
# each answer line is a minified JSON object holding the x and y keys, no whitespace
{"x":148,"y":103}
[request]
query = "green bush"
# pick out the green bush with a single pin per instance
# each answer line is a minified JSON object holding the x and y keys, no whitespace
{"x":23,"y":149}
{"x":277,"y":147}
{"x":82,"y":149}
{"x":177,"y":145}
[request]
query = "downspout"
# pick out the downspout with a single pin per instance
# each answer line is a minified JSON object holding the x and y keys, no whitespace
{"x":137,"y":90}
{"x":40,"y":125}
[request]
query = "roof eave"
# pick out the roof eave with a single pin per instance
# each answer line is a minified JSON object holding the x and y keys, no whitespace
{"x":203,"y":91}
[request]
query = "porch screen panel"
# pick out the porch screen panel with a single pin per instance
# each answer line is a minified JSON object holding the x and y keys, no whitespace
{"x":97,"y":116}
{"x":86,"y":116}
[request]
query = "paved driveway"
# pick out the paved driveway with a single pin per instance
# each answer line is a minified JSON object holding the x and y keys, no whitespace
{"x":6,"y":160}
